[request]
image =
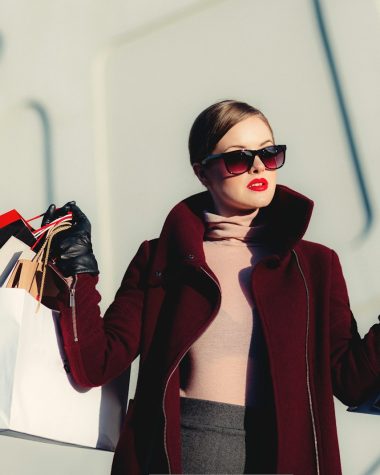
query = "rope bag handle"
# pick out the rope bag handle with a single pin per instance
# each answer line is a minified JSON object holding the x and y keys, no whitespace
{"x":42,"y":255}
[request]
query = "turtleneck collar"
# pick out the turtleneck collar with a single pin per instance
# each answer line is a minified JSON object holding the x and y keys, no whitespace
{"x":237,"y":229}
{"x":182,"y":234}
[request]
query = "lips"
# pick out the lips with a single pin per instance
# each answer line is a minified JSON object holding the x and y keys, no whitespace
{"x":258,"y":184}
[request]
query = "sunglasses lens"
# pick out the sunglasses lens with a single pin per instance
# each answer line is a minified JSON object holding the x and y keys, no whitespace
{"x":240,"y":161}
{"x":273,"y":157}
{"x":237,"y":163}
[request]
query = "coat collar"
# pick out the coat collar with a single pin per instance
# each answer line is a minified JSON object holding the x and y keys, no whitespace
{"x":287,"y":218}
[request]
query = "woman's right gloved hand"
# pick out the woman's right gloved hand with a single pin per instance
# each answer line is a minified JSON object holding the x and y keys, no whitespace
{"x":72,"y":248}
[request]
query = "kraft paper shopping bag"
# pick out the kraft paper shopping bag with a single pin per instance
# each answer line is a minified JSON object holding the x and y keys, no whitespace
{"x":32,"y":274}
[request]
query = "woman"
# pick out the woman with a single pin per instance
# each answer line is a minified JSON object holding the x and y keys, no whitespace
{"x":243,"y":328}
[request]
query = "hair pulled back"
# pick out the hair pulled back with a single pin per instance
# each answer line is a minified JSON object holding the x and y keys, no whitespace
{"x":214,"y":122}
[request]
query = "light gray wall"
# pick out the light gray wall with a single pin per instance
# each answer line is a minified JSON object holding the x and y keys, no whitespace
{"x":96,"y":103}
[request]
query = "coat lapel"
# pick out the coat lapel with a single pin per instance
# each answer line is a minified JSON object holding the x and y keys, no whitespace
{"x":192,"y":297}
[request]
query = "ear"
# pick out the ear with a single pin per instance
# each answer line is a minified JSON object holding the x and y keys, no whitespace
{"x":200,"y":172}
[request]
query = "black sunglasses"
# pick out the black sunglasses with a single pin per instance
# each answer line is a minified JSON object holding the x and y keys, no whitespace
{"x":240,"y":161}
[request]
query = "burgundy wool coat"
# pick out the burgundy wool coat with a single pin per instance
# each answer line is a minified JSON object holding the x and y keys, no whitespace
{"x":169,"y":296}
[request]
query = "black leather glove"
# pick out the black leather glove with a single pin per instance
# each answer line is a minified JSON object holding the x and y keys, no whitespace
{"x":72,"y":248}
{"x":53,"y":213}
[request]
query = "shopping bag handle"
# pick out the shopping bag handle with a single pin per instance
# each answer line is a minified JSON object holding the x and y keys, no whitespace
{"x":41,"y":232}
{"x":42,"y":255}
{"x":46,"y":227}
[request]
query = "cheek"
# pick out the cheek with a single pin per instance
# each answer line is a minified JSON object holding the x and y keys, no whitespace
{"x":272,"y":181}
{"x":272,"y":178}
{"x":234,"y":186}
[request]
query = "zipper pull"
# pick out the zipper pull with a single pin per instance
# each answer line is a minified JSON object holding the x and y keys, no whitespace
{"x":72,"y":291}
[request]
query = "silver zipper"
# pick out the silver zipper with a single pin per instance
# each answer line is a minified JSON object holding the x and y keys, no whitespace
{"x":307,"y":361}
{"x":184,"y":353}
{"x":71,"y":290}
{"x":73,"y":308}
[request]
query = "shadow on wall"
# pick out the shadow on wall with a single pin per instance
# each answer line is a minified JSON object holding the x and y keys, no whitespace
{"x":374,"y":468}
{"x":43,"y":117}
{"x":346,"y":121}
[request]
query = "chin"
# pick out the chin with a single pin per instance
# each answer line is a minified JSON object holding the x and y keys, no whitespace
{"x":260,"y":201}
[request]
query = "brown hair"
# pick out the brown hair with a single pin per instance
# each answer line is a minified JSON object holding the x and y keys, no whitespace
{"x":214,"y":122}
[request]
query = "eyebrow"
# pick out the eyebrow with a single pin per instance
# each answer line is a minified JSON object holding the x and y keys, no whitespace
{"x":243,"y":146}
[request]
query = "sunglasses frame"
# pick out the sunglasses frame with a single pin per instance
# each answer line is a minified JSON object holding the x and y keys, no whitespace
{"x":251,"y":154}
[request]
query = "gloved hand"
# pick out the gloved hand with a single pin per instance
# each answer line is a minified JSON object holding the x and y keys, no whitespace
{"x":53,"y":213}
{"x":72,"y":248}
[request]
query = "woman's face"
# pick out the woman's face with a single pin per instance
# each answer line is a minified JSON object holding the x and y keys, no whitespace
{"x":235,"y":194}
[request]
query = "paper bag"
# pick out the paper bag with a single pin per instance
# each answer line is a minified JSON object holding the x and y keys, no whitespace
{"x":13,"y":224}
{"x":370,"y":406}
{"x":11,"y":251}
{"x":32,"y":275}
{"x":37,"y":396}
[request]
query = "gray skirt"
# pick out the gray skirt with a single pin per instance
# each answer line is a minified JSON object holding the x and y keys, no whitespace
{"x":221,"y":438}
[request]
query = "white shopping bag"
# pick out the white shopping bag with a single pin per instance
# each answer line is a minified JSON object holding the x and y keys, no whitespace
{"x":37,"y":396}
{"x":10,"y":253}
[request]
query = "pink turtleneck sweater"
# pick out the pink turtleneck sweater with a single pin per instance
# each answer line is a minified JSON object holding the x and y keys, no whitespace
{"x":228,"y":362}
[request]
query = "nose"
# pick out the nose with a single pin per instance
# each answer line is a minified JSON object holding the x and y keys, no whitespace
{"x":257,"y":165}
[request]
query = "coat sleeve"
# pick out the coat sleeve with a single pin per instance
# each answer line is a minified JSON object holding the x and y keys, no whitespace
{"x":355,"y":361}
{"x":99,"y":349}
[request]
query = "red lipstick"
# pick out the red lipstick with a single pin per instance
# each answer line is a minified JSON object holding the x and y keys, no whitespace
{"x":258,"y":184}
